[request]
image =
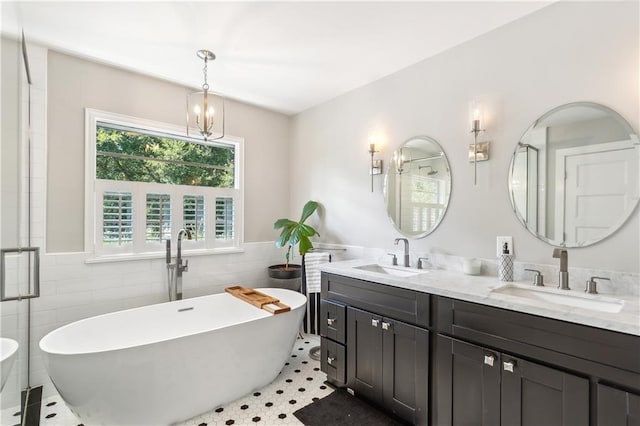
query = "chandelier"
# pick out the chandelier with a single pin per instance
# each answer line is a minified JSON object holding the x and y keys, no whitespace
{"x":205,"y":110}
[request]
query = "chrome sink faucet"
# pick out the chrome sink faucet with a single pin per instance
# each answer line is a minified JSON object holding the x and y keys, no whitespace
{"x":406,"y":250}
{"x":563,"y":275}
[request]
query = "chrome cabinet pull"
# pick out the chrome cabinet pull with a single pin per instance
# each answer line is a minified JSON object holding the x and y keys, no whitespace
{"x":330,"y":321}
{"x":489,"y":359}
{"x":375,"y":322}
{"x":508,"y":366}
{"x":330,"y":360}
{"x":386,"y":325}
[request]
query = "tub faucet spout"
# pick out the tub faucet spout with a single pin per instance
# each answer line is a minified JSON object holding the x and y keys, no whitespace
{"x":180,"y":267}
{"x":406,"y":250}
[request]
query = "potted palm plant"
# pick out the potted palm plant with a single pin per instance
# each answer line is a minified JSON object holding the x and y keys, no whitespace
{"x":293,"y":233}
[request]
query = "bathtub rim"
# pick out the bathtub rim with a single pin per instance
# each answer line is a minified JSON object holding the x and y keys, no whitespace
{"x":11,"y":346}
{"x":263,"y":315}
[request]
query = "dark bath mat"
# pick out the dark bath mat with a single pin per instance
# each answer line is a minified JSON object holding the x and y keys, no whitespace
{"x":340,"y":408}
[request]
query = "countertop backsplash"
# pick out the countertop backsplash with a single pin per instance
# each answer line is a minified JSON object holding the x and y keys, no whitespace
{"x":621,"y":283}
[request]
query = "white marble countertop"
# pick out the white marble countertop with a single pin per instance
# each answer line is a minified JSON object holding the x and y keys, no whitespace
{"x":478,"y":289}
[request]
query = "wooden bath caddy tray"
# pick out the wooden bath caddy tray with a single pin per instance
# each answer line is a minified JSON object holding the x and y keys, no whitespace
{"x":257,"y":299}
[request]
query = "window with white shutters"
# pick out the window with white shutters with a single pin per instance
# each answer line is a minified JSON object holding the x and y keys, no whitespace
{"x":146,"y":181}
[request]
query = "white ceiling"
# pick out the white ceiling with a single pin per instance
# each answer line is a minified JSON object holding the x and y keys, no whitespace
{"x":285,"y":56}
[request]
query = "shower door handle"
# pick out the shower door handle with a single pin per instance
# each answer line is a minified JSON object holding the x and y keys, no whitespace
{"x":35,"y":269}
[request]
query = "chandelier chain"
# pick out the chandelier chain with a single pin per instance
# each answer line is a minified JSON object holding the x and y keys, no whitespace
{"x":205,"y":86}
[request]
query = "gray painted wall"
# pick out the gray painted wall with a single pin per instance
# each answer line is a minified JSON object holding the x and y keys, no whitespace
{"x":566,"y":52}
{"x":75,"y":84}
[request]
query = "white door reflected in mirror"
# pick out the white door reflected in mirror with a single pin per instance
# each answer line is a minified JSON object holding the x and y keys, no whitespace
{"x":574,"y":177}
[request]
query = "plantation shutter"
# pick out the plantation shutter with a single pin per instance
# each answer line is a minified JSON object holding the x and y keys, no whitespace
{"x":158,"y":217}
{"x":117,"y":218}
{"x":193,"y":216}
{"x":224,"y":218}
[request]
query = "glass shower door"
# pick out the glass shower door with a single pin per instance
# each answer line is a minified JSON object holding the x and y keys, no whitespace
{"x":19,"y":263}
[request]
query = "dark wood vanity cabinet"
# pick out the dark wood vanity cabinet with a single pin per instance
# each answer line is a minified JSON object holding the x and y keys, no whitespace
{"x":511,"y":368}
{"x":440,"y":361}
{"x":387,"y":362}
{"x":479,"y":386}
{"x":386,"y":341}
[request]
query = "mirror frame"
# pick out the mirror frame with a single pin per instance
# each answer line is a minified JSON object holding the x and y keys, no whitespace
{"x":615,"y":227}
{"x":449,"y":188}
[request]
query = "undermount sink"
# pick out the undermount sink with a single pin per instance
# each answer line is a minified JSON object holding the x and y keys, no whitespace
{"x":390,"y":270}
{"x":562,"y":297}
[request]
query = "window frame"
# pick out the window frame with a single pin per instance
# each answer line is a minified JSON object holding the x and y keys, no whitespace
{"x":94,"y":189}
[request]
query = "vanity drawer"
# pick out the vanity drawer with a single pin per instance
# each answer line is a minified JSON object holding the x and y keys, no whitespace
{"x":393,"y":302}
{"x":333,"y":361}
{"x":333,"y":320}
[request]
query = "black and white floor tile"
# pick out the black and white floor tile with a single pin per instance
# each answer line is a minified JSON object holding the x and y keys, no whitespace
{"x":300,"y":383}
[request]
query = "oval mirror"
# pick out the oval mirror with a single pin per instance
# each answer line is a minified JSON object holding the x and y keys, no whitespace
{"x":574,"y":175}
{"x":417,"y":187}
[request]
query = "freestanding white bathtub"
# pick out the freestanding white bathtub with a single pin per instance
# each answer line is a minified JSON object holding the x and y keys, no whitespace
{"x":163,"y":363}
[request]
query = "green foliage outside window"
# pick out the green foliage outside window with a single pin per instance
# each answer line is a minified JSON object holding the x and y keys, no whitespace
{"x":131,"y":156}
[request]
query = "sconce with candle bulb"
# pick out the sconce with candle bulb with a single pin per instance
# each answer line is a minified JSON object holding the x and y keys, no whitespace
{"x":399,"y":160}
{"x":478,"y":151}
{"x":376,"y":165}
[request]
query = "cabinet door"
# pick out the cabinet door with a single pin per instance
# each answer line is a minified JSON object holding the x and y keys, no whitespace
{"x":466,"y":384}
{"x":537,"y":395}
{"x":405,"y":370}
{"x":617,"y":407}
{"x":364,"y":353}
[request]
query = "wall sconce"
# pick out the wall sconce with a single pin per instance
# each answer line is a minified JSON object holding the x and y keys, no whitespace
{"x":205,"y":111}
{"x":399,"y":161}
{"x":376,"y":165}
{"x":478,"y":151}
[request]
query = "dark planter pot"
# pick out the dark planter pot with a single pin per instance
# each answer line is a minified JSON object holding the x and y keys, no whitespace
{"x":289,"y":278}
{"x":279,"y":271}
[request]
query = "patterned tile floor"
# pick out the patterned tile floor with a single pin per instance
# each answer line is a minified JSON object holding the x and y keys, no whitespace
{"x":300,"y":383}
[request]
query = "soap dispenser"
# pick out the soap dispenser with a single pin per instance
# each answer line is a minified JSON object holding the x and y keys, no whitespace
{"x":505,"y":264}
